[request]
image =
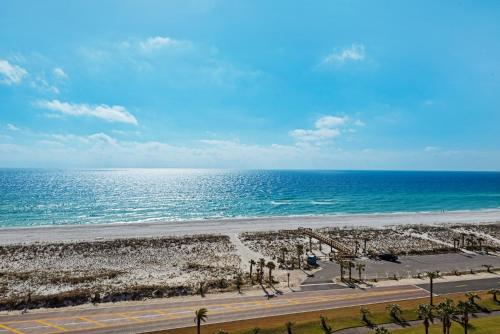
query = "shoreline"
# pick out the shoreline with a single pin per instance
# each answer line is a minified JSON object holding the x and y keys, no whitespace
{"x":109,"y":231}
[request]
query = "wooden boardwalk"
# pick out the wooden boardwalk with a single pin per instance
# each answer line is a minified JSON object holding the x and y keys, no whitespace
{"x":341,"y":249}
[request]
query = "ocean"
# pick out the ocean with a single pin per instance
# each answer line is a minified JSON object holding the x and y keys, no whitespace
{"x":36,"y":197}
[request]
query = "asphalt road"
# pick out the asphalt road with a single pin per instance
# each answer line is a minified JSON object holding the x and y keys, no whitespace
{"x":170,"y":313}
{"x":166,"y":314}
{"x":463,"y":286}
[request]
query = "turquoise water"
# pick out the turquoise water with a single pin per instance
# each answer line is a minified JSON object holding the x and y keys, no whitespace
{"x":48,"y":197}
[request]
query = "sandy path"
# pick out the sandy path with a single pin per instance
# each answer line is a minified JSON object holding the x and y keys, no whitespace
{"x":245,"y":253}
{"x":227,"y":226}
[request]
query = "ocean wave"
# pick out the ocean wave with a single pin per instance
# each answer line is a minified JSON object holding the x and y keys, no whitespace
{"x":323,"y":202}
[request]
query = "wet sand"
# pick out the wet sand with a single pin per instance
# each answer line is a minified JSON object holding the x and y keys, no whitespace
{"x":69,"y":233}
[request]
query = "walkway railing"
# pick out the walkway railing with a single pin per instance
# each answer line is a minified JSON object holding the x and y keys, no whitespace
{"x":346,"y":252}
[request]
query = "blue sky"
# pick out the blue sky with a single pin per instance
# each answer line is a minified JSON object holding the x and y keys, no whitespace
{"x":250,"y":84}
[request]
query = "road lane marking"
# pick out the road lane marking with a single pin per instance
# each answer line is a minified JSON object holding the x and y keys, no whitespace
{"x":460,"y":286}
{"x":133,"y":319}
{"x":46,"y":323}
{"x":10,"y":329}
{"x":97,"y":323}
{"x":182,"y":312}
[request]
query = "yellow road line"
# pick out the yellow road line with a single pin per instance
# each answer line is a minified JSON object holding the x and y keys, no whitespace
{"x":97,"y":323}
{"x":170,"y":312}
{"x":130,"y":318}
{"x":46,"y":323}
{"x":10,"y":329}
{"x":169,"y":316}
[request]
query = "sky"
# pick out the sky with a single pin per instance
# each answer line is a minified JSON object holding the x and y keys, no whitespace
{"x":340,"y":84}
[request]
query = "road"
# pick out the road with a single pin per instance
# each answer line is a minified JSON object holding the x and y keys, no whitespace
{"x":463,"y":286}
{"x":164,"y":314}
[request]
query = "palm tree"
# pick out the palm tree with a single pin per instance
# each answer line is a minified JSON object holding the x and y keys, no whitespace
{"x":262,"y":263}
{"x":327,"y":329}
{"x":252,"y":263}
{"x":432,"y":275}
{"x":220,"y":331}
{"x":472,"y":297}
{"x":365,"y":240}
{"x":202,"y":290}
{"x":289,"y":327}
{"x":480,"y":242}
{"x":283,"y":252}
{"x":271,"y":266}
{"x":360,"y":267}
{"x":238,"y":282}
{"x":342,"y":266}
{"x":488,"y":267}
{"x":350,"y":265}
{"x":465,"y":308}
{"x":394,"y":311}
{"x":424,"y":312}
{"x":381,"y":330}
{"x":364,"y":315}
{"x":300,"y":251}
{"x":494,"y":293}
{"x":200,"y":316}
{"x":446,"y":310}
{"x":256,"y":330}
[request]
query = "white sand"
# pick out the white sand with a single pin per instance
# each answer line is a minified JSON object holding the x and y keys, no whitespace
{"x":229,"y":226}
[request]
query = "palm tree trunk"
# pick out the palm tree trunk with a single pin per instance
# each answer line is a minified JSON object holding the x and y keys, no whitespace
{"x":198,"y":326}
{"x":431,"y":291}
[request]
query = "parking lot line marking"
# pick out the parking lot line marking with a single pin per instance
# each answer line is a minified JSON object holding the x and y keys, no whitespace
{"x":46,"y":323}
{"x":97,"y":323}
{"x":10,"y":329}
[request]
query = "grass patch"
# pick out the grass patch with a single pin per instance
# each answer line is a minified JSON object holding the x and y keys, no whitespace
{"x":489,"y":325}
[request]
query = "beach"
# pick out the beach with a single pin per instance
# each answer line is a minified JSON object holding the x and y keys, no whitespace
{"x":88,"y":232}
{"x":77,"y":264}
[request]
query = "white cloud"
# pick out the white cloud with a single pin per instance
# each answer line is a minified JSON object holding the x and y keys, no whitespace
{"x":100,"y":150}
{"x":359,"y":122}
{"x":356,"y":52}
{"x":326,"y":128}
{"x":431,"y":149}
{"x":11,"y":74}
{"x":330,"y":121}
{"x":12,"y":127}
{"x":41,"y":84}
{"x":59,"y":72}
{"x":102,"y":111}
{"x":315,"y":135}
{"x":158,"y":42}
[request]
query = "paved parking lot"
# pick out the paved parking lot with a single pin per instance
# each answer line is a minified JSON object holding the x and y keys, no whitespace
{"x":408,"y":265}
